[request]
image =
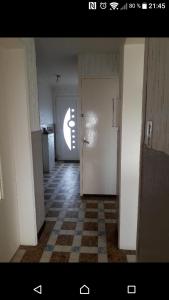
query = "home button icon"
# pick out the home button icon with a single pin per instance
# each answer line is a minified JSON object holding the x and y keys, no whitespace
{"x":84,"y":290}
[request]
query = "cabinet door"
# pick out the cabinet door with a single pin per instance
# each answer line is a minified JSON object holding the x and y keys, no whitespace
{"x":99,"y":137}
{"x":45,"y":153}
{"x":51,"y":150}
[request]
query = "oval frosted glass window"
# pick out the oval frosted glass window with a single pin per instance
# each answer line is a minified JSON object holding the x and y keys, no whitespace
{"x":67,"y":130}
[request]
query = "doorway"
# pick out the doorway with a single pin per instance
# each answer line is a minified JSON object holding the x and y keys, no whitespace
{"x":79,"y":116}
{"x":81,"y":225}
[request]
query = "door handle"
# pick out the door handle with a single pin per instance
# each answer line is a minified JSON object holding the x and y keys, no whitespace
{"x":115,"y":104}
{"x":148,"y":136}
{"x":1,"y":183}
{"x":113,"y":117}
{"x":85,"y":141}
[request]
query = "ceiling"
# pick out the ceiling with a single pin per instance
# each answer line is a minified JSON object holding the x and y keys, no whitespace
{"x":59,"y":56}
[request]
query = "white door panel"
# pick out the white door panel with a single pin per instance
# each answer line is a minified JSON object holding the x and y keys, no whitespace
{"x":99,"y":150}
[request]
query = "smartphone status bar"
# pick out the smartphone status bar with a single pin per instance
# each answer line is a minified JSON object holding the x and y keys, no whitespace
{"x":116,"y":6}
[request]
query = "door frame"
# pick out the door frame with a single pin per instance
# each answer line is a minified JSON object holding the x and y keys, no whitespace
{"x":144,"y":105}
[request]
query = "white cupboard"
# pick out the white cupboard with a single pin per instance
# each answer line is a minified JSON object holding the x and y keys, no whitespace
{"x":99,"y":137}
{"x":48,"y":151}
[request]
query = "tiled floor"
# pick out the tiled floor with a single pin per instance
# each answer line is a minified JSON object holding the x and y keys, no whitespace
{"x":76,"y":230}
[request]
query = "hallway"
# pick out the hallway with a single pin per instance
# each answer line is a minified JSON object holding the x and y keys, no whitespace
{"x":76,"y":229}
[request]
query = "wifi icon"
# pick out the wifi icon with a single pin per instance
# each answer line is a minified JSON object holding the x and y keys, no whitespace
{"x":114,"y":5}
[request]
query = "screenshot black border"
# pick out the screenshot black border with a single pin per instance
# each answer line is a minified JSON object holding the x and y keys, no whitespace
{"x":82,"y":19}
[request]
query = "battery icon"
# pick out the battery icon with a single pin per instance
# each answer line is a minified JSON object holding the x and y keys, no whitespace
{"x":144,"y":5}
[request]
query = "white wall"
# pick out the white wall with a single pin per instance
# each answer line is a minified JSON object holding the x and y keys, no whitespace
{"x":98,"y":64}
{"x":132,"y":86}
{"x":36,"y":139}
{"x":17,"y":209}
{"x":45,"y":102}
{"x":29,"y":47}
{"x":9,"y":216}
{"x":17,"y":95}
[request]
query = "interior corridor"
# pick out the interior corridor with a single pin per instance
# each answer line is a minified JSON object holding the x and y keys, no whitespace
{"x":76,"y":229}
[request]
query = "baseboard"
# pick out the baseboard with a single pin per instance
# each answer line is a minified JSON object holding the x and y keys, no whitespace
{"x":68,"y":161}
{"x":41,"y":229}
{"x":131,"y":258}
{"x":98,"y":195}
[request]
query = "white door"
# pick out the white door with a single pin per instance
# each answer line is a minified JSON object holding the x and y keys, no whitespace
{"x":99,"y":138}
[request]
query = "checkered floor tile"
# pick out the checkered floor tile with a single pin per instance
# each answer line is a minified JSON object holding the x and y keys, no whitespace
{"x":76,"y":229}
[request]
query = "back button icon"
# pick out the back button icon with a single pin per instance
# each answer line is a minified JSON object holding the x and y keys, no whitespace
{"x":38,"y":289}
